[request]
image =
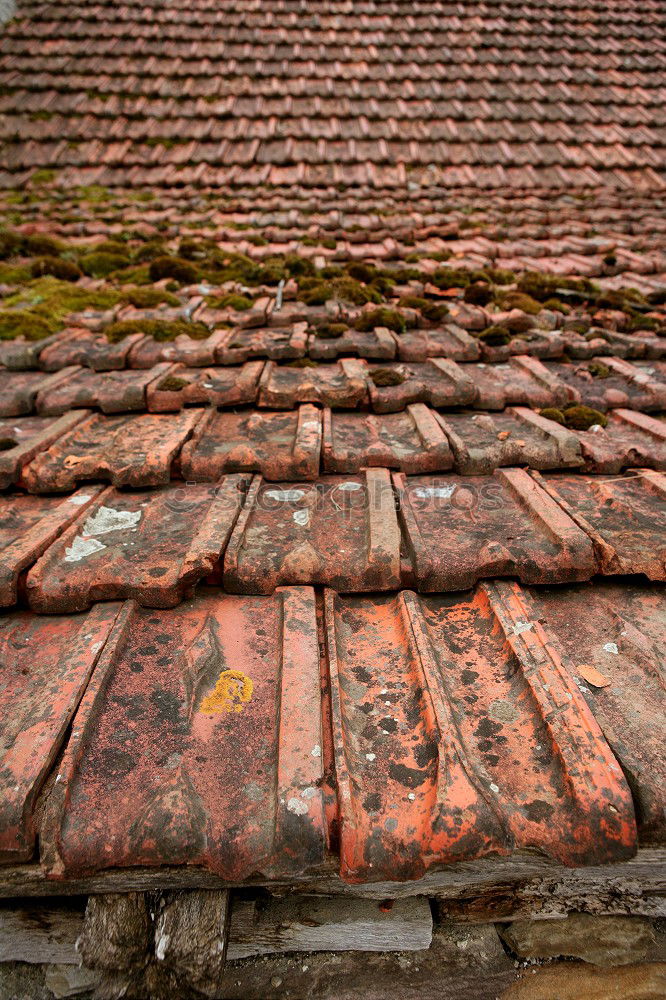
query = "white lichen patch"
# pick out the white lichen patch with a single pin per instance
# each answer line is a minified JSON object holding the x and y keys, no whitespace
{"x":82,"y":547}
{"x":106,"y":519}
{"x":285,"y":496}
{"x":297,"y":806}
{"x":438,"y":492}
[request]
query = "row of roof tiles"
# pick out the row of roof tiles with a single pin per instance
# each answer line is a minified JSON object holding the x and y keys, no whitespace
{"x":387,"y":54}
{"x":348,"y":384}
{"x":344,"y":531}
{"x":53,"y":454}
{"x":85,"y":348}
{"x":501,"y":719}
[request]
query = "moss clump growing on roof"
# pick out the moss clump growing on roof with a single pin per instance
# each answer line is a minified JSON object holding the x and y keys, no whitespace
{"x":360,"y":271}
{"x":301,"y":363}
{"x":64,"y":270}
{"x":27,"y":325}
{"x":173,"y":267}
{"x":500,"y":276}
{"x":159,"y":329}
{"x":542,"y":287}
{"x":495,"y":336}
{"x":239,"y":303}
{"x":299,"y":267}
{"x":554,"y":305}
{"x":316,"y":292}
{"x":149,"y":298}
{"x":100,"y":264}
{"x":14,"y":244}
{"x":518,"y":300}
{"x":581,"y":418}
{"x":41,"y":307}
{"x":171,"y":383}
{"x":387,"y":376}
{"x":331,"y":331}
{"x":598,"y":369}
{"x":478,"y":294}
{"x":432,"y":311}
{"x":41,"y":245}
{"x":552,"y":413}
{"x":149,"y":251}
{"x":389,"y":318}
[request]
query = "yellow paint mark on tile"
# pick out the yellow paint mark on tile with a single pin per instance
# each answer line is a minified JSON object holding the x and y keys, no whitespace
{"x":231,"y":692}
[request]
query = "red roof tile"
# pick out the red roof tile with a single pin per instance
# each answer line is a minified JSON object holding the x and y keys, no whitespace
{"x":342,"y":532}
{"x":281,"y":446}
{"x":467,"y":737}
{"x":411,"y":441}
{"x":135,"y":450}
{"x":150,"y":546}
{"x":28,"y":525}
{"x":625,"y":517}
{"x":45,"y":665}
{"x":212,"y":766}
{"x":23,"y":437}
{"x":459,"y":530}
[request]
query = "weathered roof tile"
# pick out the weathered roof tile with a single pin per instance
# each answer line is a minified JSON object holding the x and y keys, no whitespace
{"x":220,"y":763}
{"x":45,"y":665}
{"x":150,"y":546}
{"x":341,"y":532}
{"x":467,"y":737}
{"x":411,"y":441}
{"x":281,"y":446}
{"x":28,"y":525}
{"x":457,"y":530}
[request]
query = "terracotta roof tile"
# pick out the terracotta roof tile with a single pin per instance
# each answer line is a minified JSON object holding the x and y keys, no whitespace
{"x":181,"y":386}
{"x":24,"y":437}
{"x":132,"y":450}
{"x":411,"y":794}
{"x":340,"y":384}
{"x":339,"y":531}
{"x":281,"y":446}
{"x":215,"y":767}
{"x":152,"y":546}
{"x":624,"y":516}
{"x":27,"y":528}
{"x":45,"y":667}
{"x":411,"y":441}
{"x":459,"y":530}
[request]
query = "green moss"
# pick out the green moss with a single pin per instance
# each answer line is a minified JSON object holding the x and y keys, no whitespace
{"x":552,"y":413}
{"x":239,"y":303}
{"x":42,"y":176}
{"x":10,"y":244}
{"x":28,"y":325}
{"x":173,"y":267}
{"x":149,"y":298}
{"x":316,"y":292}
{"x":331,"y":331}
{"x":542,"y":287}
{"x":159,"y":329}
{"x":94,"y":194}
{"x":302,"y":363}
{"x":100,"y":264}
{"x":581,"y":418}
{"x":432,"y":311}
{"x":556,"y":306}
{"x":598,"y":369}
{"x":387,"y":376}
{"x":14,"y":274}
{"x":496,"y":335}
{"x":500,"y":276}
{"x":519,"y":300}
{"x":41,"y":307}
{"x":149,"y":251}
{"x":64,"y":270}
{"x":389,"y":318}
{"x":361,"y":272}
{"x":39,"y":244}
{"x":478,"y":294}
{"x":171,"y":383}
